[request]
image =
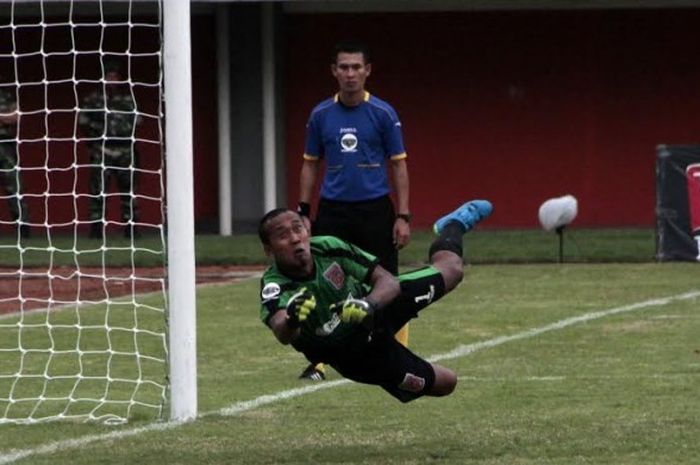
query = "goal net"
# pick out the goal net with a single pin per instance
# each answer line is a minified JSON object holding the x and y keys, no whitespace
{"x":83,"y":282}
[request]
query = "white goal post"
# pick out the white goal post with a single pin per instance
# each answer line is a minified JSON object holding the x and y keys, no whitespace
{"x":97,"y":264}
{"x":181,"y":258}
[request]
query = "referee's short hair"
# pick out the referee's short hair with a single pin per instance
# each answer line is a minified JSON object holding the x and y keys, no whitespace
{"x":350,"y":46}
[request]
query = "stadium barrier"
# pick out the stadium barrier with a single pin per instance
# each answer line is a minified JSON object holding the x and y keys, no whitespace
{"x":678,"y":202}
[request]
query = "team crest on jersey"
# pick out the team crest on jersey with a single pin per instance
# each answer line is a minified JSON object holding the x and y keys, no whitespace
{"x":348,"y":142}
{"x":335,"y":275}
{"x":270,"y":291}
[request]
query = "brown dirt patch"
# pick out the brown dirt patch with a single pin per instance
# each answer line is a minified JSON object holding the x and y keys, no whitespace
{"x":32,"y":288}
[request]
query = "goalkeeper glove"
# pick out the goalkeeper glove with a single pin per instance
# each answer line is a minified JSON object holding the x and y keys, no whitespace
{"x":355,"y":310}
{"x":299,"y":307}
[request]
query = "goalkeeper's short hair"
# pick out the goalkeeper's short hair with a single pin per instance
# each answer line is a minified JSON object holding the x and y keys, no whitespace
{"x":263,"y":233}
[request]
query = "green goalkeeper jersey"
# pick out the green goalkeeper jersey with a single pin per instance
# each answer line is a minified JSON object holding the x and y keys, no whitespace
{"x":340,"y":270}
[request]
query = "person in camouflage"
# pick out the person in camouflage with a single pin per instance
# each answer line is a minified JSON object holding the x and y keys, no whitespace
{"x":110,"y":124}
{"x":335,"y":304}
{"x":9,"y":174}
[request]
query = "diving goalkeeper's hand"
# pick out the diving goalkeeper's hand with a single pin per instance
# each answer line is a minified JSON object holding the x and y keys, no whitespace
{"x":299,"y":307}
{"x":355,"y":311}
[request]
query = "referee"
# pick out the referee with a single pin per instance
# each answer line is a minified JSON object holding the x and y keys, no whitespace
{"x":358,"y":136}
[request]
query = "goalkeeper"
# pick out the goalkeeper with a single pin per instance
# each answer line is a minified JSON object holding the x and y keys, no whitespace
{"x":332,"y":301}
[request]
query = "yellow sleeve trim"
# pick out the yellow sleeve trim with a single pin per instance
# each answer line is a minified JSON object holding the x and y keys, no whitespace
{"x":399,"y":156}
{"x":310,"y":157}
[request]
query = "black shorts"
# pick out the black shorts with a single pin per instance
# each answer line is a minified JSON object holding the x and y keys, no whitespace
{"x":384,"y":361}
{"x":368,"y":224}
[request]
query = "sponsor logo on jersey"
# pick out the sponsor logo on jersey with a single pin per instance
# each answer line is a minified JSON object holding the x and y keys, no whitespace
{"x":348,"y":143}
{"x":329,"y":326}
{"x":270,"y":292}
{"x":335,"y":275}
{"x":412,"y":383}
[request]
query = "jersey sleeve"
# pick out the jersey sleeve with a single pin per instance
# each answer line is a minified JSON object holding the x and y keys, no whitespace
{"x":274,"y":295}
{"x":313,"y":144}
{"x":393,"y":136}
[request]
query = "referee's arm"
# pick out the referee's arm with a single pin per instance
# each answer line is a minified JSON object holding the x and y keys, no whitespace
{"x":402,"y":230}
{"x":307,"y":179}
{"x":399,"y":168}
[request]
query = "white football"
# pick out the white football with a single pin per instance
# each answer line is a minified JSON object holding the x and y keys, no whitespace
{"x":558,"y":212}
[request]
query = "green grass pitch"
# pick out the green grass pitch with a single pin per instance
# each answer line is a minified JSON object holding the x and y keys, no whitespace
{"x":617,"y":388}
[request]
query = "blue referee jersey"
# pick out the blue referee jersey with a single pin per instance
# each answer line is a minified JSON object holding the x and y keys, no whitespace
{"x":356,"y":143}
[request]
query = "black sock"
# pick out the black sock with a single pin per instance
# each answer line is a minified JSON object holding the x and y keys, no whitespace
{"x":449,"y":239}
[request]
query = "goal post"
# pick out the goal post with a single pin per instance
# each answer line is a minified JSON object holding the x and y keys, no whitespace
{"x":181,"y":257}
{"x":97,"y":263}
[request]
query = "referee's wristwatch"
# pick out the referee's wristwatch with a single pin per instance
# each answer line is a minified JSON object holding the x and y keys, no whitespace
{"x":304,"y":209}
{"x":404,"y":216}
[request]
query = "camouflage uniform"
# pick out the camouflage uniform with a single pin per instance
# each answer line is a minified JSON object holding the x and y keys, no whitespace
{"x":113,"y":144}
{"x":9,"y":175}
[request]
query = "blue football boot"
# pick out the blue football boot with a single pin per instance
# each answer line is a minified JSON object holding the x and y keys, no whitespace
{"x":468,"y":215}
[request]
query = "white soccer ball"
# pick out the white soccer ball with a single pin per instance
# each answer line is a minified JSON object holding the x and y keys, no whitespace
{"x":558,"y":212}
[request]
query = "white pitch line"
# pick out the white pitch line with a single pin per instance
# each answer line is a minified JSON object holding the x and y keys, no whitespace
{"x":463,"y":350}
{"x":517,"y":379}
{"x":241,"y":407}
{"x":58,"y":446}
{"x":503,"y":379}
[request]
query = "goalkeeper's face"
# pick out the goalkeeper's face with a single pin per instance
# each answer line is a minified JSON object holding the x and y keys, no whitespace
{"x":289,"y":243}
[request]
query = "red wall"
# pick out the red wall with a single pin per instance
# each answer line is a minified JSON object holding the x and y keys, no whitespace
{"x":50,"y":192}
{"x":517,"y":107}
{"x":204,"y":116}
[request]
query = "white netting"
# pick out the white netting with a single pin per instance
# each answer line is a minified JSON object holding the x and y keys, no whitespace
{"x":82,"y":282}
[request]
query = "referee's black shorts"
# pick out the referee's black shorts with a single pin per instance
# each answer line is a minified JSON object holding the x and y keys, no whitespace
{"x":368,"y":224}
